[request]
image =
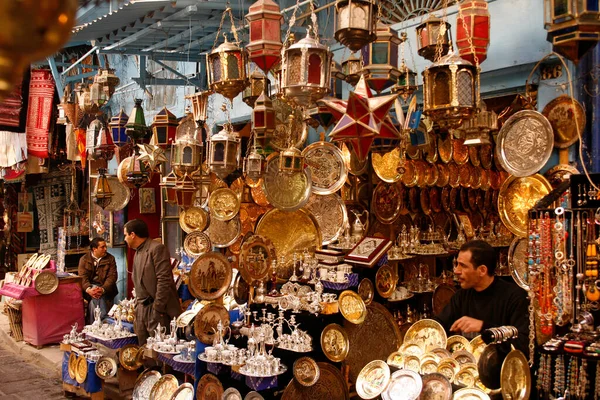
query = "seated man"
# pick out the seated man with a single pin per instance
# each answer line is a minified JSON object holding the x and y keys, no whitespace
{"x":484,"y":300}
{"x":99,"y":272}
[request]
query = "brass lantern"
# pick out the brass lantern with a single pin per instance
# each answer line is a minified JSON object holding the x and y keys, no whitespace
{"x":187,"y":149}
{"x":185,"y":192}
{"x":227,"y":69}
{"x":117,"y":126}
{"x":97,"y":95}
{"x":254,"y":164}
{"x":84,"y":99}
{"x":355,"y":23}
{"x":264,"y":21}
{"x":168,"y":183}
{"x":573,"y":26}
{"x":92,"y":133}
{"x":136,"y":127}
{"x":430,"y":34}
{"x":291,"y":160}
{"x":450,"y":91}
{"x":136,"y":172}
{"x":263,"y":119}
{"x":109,"y":81}
{"x":164,"y":127}
{"x":199,"y":105}
{"x":407,"y":82}
{"x":224,"y":151}
{"x":258,"y":85}
{"x":477,"y":129}
{"x":102,"y":192}
{"x":103,"y":147}
{"x":381,"y":59}
{"x":351,"y":68}
{"x":306,"y":70}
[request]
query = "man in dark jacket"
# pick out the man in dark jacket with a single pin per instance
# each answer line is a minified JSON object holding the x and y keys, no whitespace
{"x":157,"y":299}
{"x":99,"y":272}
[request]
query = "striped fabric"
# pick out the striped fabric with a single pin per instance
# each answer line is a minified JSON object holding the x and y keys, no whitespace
{"x":13,"y":109}
{"x":39,"y":114}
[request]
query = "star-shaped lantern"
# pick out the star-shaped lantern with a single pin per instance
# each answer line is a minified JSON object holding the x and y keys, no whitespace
{"x":361,"y":118}
{"x":152,"y":154}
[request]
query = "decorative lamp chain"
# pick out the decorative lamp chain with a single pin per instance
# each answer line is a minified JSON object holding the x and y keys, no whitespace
{"x":313,"y":18}
{"x":289,"y":29}
{"x":469,"y":36}
{"x":233,"y":28}
{"x":441,"y":31}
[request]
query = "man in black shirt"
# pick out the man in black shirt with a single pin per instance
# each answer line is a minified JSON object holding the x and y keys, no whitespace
{"x":484,"y":300}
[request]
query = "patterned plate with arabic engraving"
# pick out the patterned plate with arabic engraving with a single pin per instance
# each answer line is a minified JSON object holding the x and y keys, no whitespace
{"x":210,"y":276}
{"x":224,"y":233}
{"x":517,"y":197}
{"x":193,"y":219}
{"x":306,"y":371}
{"x":209,"y":387}
{"x":352,"y":307}
{"x":385,"y":281}
{"x":326,"y":164}
{"x":144,"y":383}
{"x":164,"y":387}
{"x":386,"y":202}
{"x":404,"y":385}
{"x":427,"y":333}
{"x":517,"y":262}
{"x":525,"y":143}
{"x":470,"y":394}
{"x":205,"y":324}
{"x":436,"y":386}
{"x":515,"y":376}
{"x":286,"y":191}
{"x":81,"y":369}
{"x":372,"y":379}
{"x":366,"y":290}
{"x":445,"y":148}
{"x":458,"y":343}
{"x":334,"y":342}
{"x":486,"y":156}
{"x":232,"y":394}
{"x":256,"y":256}
{"x":185,"y":391}
{"x":565,"y":114}
{"x":387,"y":166}
{"x":331,"y":214}
{"x":224,"y":204}
{"x":121,"y":195}
{"x":46,"y":282}
{"x":106,"y":367}
{"x":196,"y":244}
{"x":329,"y":386}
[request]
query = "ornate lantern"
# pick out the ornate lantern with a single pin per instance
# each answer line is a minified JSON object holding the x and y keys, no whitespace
{"x":264,"y":19}
{"x":199,"y":105}
{"x":84,"y":99}
{"x":227,"y":69}
{"x":164,"y":127}
{"x":136,"y":172}
{"x":92,"y":133}
{"x":102,"y":192}
{"x":263,"y":119}
{"x":136,"y":127}
{"x":573,"y":26}
{"x":224,"y":151}
{"x":351,"y":68}
{"x":185,"y":192}
{"x":187,"y":149}
{"x":278,"y":75}
{"x":450,"y":91}
{"x":473,"y":23}
{"x":109,"y":81}
{"x":97,"y":95}
{"x":117,"y":126}
{"x":321,"y":115}
{"x":291,"y":160}
{"x":254,"y":163}
{"x":168,"y":183}
{"x":354,"y":23}
{"x":306,"y":70}
{"x":103,"y":146}
{"x":337,"y":76}
{"x":407,"y":81}
{"x":477,"y":129}
{"x":381,"y":59}
{"x":430,"y":34}
{"x":258,"y":85}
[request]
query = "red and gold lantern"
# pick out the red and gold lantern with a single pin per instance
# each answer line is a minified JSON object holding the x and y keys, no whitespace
{"x":264,"y":19}
{"x":473,"y":23}
{"x":263,"y":119}
{"x":429,"y":34}
{"x":164,"y":127}
{"x":381,"y":59}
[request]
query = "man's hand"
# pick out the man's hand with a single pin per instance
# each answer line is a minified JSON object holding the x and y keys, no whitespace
{"x":467,"y":325}
{"x":95,"y":292}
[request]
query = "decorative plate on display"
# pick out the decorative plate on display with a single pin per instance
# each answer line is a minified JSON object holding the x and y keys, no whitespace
{"x":81,"y":369}
{"x":409,"y":177}
{"x":329,"y":386}
{"x":366,"y":290}
{"x":449,"y":367}
{"x":306,"y":371}
{"x":565,"y":115}
{"x":385,"y":281}
{"x":210,"y":276}
{"x":144,"y":384}
{"x":436,"y":386}
{"x":209,"y":387}
{"x":46,"y":282}
{"x":224,"y":204}
{"x":196,"y":244}
{"x":404,"y":385}
{"x":515,"y":376}
{"x":470,"y":394}
{"x":477,"y":345}
{"x":106,"y":367}
{"x":186,"y":317}
{"x":524,"y":143}
{"x":185,"y":391}
{"x":467,"y":376}
{"x":179,"y":358}
{"x":352,"y":307}
{"x":286,"y":191}
{"x":396,"y":359}
{"x":206,"y":322}
{"x":386,"y":202}
{"x":121,"y":195}
{"x":486,"y":156}
{"x":193,"y":219}
{"x":457,"y":343}
{"x":330,"y":212}
{"x":128,"y":357}
{"x":428,"y":333}
{"x":560,"y":173}
{"x":241,"y":289}
{"x":224,"y":233}
{"x":164,"y":387}
{"x":388,"y":166}
{"x":334,"y":342}
{"x":232,"y":394}
{"x":326,"y":164}
{"x":256,"y":255}
{"x":517,"y":261}
{"x":445,"y":148}
{"x":372,"y":379}
{"x":460,"y":152}
{"x":253,"y":396}
{"x":464,"y":357}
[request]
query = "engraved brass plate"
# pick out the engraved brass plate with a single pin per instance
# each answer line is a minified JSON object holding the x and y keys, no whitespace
{"x":470,"y":394}
{"x":224,"y":233}
{"x":196,"y":243}
{"x":224,"y":204}
{"x":517,"y":262}
{"x":409,"y":177}
{"x":121,"y":195}
{"x":185,"y":391}
{"x":436,"y":386}
{"x":46,"y":282}
{"x":210,"y":276}
{"x":326,"y":164}
{"x":386,"y":202}
{"x":486,"y":155}
{"x":72,"y":365}
{"x":193,"y":219}
{"x":445,"y":148}
{"x":372,"y":379}
{"x":366,"y":290}
{"x":385,"y":281}
{"x":128,"y":357}
{"x":306,"y":371}
{"x":164,"y":387}
{"x":256,"y":256}
{"x":427,"y":333}
{"x":387,"y":166}
{"x":329,"y":386}
{"x":205,"y":324}
{"x":209,"y":387}
{"x":352,"y":307}
{"x":286,"y":191}
{"x":460,"y":152}
{"x":81,"y":369}
{"x":334,"y":342}
{"x":453,"y":177}
{"x":144,"y":384}
{"x":565,"y":114}
{"x":106,"y":367}
{"x":331,"y":214}
{"x":515,"y":376}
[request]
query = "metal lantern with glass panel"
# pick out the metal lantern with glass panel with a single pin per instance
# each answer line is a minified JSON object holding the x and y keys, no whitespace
{"x":258,"y":85}
{"x":199,"y":106}
{"x":263,"y":119}
{"x":381,"y":59}
{"x":103,"y":87}
{"x":254,"y":163}
{"x":351,"y":68}
{"x":264,"y":21}
{"x":473,"y":27}
{"x":136,"y":127}
{"x":430,"y":34}
{"x":573,"y":26}
{"x":477,"y":129}
{"x":164,"y":127}
{"x":450,"y":91}
{"x":137,"y":174}
{"x":407,"y":81}
{"x":168,"y":183}
{"x":92,"y":133}
{"x":291,"y":160}
{"x":227,"y":69}
{"x":306,"y":70}
{"x":186,"y":156}
{"x":355,"y":23}
{"x":185,"y":192}
{"x":103,"y":146}
{"x":103,"y":194}
{"x":84,"y":99}
{"x":224,"y":150}
{"x":117,"y":127}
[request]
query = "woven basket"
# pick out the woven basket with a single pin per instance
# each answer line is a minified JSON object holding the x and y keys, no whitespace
{"x":16,"y":322}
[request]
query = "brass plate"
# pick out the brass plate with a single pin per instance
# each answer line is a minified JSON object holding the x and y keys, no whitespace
{"x":422,"y":172}
{"x":467,"y":376}
{"x":396,"y":359}
{"x":209,"y":387}
{"x":326,"y":164}
{"x":186,"y":317}
{"x":224,"y":233}
{"x":441,"y":297}
{"x":470,"y":394}
{"x":460,"y":152}
{"x":330,"y":385}
{"x":241,"y":290}
{"x":253,"y":396}
{"x":435,"y":199}
{"x":224,"y":204}
{"x":517,"y":197}
{"x":258,"y":194}
{"x":185,"y":391}
{"x":412,"y":363}
{"x":477,"y":174}
{"x":427,"y":333}
{"x":290,"y":232}
{"x":164,"y":388}
{"x":306,"y":371}
{"x":464,"y":357}
{"x":232,"y":394}
{"x":353,"y":164}
{"x":196,"y":244}
{"x":474,"y":156}
{"x":413,"y":152}
{"x":433,"y":175}
{"x":464,"y":175}
{"x":441,"y":353}
{"x":515,"y":377}
{"x":477,"y":345}
{"x":121,"y":195}
{"x":446,"y":199}
{"x":388,"y":165}
{"x":445,"y":148}
{"x":405,"y":385}
{"x":256,"y":256}
{"x":517,"y":261}
{"x":458,"y":343}
{"x":430,"y":151}
{"x":334,"y":342}
{"x":414,"y":200}
{"x":485,"y":179}
{"x":331,"y":214}
{"x":385,"y":281}
{"x":46,"y":282}
{"x":144,"y":384}
{"x":453,"y":177}
{"x":210,"y":276}
{"x":379,"y":324}
{"x":425,"y":201}
{"x":128,"y":357}
{"x":560,"y":173}
{"x":409,"y":177}
{"x":366,"y":290}
{"x":193,"y":219}
{"x":81,"y":369}
{"x":372,"y":379}
{"x":106,"y":367}
{"x":352,"y":307}
{"x":286,"y":191}
{"x":72,"y":364}
{"x":486,"y":156}
{"x":386,"y":202}
{"x":449,"y":367}
{"x":524,"y":143}
{"x":436,"y":386}
{"x":205,"y":324}
{"x":564,"y":114}
{"x":443,"y":175}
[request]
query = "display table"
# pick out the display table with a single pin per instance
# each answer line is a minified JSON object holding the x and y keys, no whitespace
{"x":47,"y":318}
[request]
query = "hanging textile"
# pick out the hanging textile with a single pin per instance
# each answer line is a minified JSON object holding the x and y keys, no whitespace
{"x":13,"y":148}
{"x":13,"y":109}
{"x":39,"y":114}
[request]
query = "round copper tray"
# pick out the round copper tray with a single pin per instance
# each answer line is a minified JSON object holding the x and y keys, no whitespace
{"x":443,"y":175}
{"x":445,"y":197}
{"x":460,"y":152}
{"x":258,"y":194}
{"x":352,"y":307}
{"x":474,"y":155}
{"x":445,"y":148}
{"x":435,"y":199}
{"x":425,"y":202}
{"x":366,"y":290}
{"x":386,"y":202}
{"x":413,"y":152}
{"x":256,"y":256}
{"x":473,"y":199}
{"x":205,"y":324}
{"x":210,"y":276}
{"x":486,"y":155}
{"x":241,"y":290}
{"x":414,"y":200}
{"x":430,"y":152}
{"x":436,"y":386}
{"x":409,"y":177}
{"x":485,"y":179}
{"x":464,"y":175}
{"x":334,"y":342}
{"x":330,"y":385}
{"x":209,"y":387}
{"x":433,"y":175}
{"x":326,"y":163}
{"x":422,"y":172}
{"x":562,"y":113}
{"x":453,"y":174}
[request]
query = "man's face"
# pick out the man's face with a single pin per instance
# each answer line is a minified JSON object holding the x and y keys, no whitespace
{"x":468,"y":275}
{"x":101,"y":250}
{"x":128,"y":237}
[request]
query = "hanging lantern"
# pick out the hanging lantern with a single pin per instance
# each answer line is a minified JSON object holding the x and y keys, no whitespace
{"x":109,"y":81}
{"x":291,"y":160}
{"x":306,"y":70}
{"x":407,"y":82}
{"x":450,"y":91}
{"x":278,"y":75}
{"x":476,"y":130}
{"x":337,"y":77}
{"x":428,"y":34}
{"x":84,"y":99}
{"x":263,"y":119}
{"x":264,"y":19}
{"x":199,"y":105}
{"x":354,"y":23}
{"x":351,"y":68}
{"x":573,"y":26}
{"x":473,"y":23}
{"x":168,"y":183}
{"x":117,"y":126}
{"x":202,"y":183}
{"x":92,"y":133}
{"x":103,"y":147}
{"x":187,"y":149}
{"x":254,"y":164}
{"x":135,"y":171}
{"x":97,"y":95}
{"x":164,"y":127}
{"x":185,"y":192}
{"x":102,"y":192}
{"x":381,"y":59}
{"x":136,"y":127}
{"x":224,"y":151}
{"x":258,"y":85}
{"x":227,"y":69}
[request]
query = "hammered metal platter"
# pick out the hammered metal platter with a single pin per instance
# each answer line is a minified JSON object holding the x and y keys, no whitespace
{"x":372,"y":379}
{"x":404,"y":385}
{"x":515,"y":376}
{"x":196,"y":243}
{"x":205,"y":324}
{"x":427,"y":333}
{"x":286,"y":191}
{"x":327,"y":167}
{"x":329,"y":386}
{"x":121,"y":195}
{"x":224,"y":233}
{"x":164,"y":387}
{"x":378,"y":323}
{"x":565,"y":114}
{"x":524,"y":143}
{"x":256,"y":256}
{"x":144,"y":383}
{"x":517,"y":262}
{"x":436,"y":386}
{"x":334,"y":342}
{"x":193,"y":219}
{"x":209,"y":387}
{"x":330,"y":212}
{"x":210,"y":276}
{"x":388,"y":166}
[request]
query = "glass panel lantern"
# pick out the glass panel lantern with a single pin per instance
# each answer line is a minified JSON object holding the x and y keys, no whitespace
{"x":263,"y":119}
{"x":264,"y":20}
{"x":306,"y":70}
{"x":137,"y":174}
{"x":428,"y":34}
{"x":103,"y":147}
{"x":103,"y":194}
{"x":473,"y":23}
{"x":136,"y":127}
{"x":226,"y":67}
{"x":291,"y":160}
{"x":351,"y":68}
{"x":450,"y":91}
{"x":354,"y":23}
{"x":199,"y":105}
{"x":407,"y":82}
{"x":224,"y":152}
{"x":109,"y":81}
{"x":476,"y":130}
{"x":185,"y":192}
{"x":258,"y":85}
{"x":117,"y":126}
{"x":164,"y":127}
{"x":381,"y":59}
{"x":254,"y":164}
{"x":84,"y":99}
{"x":168,"y":183}
{"x":187,"y":149}
{"x":92,"y":134}
{"x":97,"y":95}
